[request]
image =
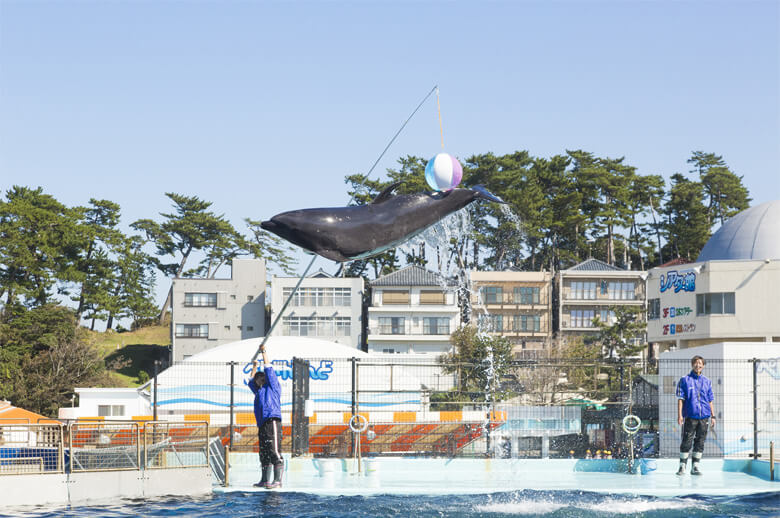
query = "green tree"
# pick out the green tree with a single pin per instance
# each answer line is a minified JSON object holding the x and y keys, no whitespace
{"x":90,"y":269}
{"x":725,"y":193}
{"x":37,"y":245}
{"x":190,"y":228}
{"x":479,"y":361}
{"x":617,"y":338}
{"x":687,"y":228}
{"x":44,"y":355}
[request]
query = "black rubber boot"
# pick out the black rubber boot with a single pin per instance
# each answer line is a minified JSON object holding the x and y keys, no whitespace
{"x":278,"y":472}
{"x":266,"y":476}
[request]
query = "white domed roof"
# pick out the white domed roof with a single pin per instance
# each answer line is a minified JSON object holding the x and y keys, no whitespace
{"x":752,"y":234}
{"x":278,"y":348}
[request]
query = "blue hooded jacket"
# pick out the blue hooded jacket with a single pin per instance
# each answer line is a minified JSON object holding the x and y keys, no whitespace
{"x":268,"y":398}
{"x":696,"y":393}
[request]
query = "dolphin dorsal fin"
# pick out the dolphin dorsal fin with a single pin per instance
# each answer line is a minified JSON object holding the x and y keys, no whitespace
{"x":386,"y":193}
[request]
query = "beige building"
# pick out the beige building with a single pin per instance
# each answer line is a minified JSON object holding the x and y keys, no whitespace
{"x":324,"y":307}
{"x":591,"y":289}
{"x":412,"y":311}
{"x":515,"y":305}
{"x":210,"y":312}
{"x":730,"y":294}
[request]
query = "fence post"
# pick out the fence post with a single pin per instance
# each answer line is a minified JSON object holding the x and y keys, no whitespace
{"x":755,"y":409}
{"x":232,"y":391}
{"x":154,"y":403}
{"x":354,"y":401}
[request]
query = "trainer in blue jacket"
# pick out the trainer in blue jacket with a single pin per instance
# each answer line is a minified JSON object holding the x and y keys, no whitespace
{"x":268,"y":414}
{"x":695,"y":412}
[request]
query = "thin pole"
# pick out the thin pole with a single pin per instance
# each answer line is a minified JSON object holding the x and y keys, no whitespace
{"x":434,"y":89}
{"x":232,"y":387}
{"x":441,"y":126}
{"x":154,"y":404}
{"x":281,"y":312}
{"x":755,"y":409}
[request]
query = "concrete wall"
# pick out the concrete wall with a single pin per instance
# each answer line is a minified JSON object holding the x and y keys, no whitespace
{"x":756,"y":299}
{"x":239,"y":313}
{"x":61,"y":488}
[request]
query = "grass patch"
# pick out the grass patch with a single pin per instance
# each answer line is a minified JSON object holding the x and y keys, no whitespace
{"x":131,"y":355}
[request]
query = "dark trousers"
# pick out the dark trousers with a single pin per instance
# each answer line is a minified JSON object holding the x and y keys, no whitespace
{"x":270,"y":437}
{"x":694,"y":433}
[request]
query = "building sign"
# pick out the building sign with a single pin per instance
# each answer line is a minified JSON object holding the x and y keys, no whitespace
{"x":678,"y":329}
{"x":672,"y":312}
{"x":683,"y":281}
{"x":283,"y":369}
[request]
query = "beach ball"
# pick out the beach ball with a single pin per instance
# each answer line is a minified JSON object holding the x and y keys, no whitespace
{"x":443,"y":172}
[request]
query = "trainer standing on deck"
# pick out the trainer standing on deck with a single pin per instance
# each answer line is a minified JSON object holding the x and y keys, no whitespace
{"x":694,"y":412}
{"x":268,"y":413}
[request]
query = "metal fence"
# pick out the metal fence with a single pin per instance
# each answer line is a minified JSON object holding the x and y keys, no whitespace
{"x":534,"y":408}
{"x":101,"y":446}
{"x":746,"y":402}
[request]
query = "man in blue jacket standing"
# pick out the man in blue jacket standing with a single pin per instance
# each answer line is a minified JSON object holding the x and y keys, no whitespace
{"x":268,"y":414}
{"x":695,"y":412}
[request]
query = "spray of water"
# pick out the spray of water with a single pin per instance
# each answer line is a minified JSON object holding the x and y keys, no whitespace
{"x":438,"y":240}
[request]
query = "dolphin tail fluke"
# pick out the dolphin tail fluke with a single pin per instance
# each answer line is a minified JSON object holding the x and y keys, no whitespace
{"x":486,"y":195}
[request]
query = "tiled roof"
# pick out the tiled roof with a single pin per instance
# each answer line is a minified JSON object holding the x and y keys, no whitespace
{"x":675,"y":262}
{"x":411,"y":276}
{"x":10,"y":412}
{"x":594,"y":265}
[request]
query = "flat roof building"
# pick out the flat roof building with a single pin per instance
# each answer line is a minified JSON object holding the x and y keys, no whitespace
{"x":730,"y":294}
{"x":324,"y":307}
{"x":517,"y":306}
{"x":210,"y":312}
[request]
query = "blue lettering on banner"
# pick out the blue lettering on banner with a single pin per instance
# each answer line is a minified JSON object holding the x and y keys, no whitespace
{"x":679,"y":281}
{"x":283,"y":369}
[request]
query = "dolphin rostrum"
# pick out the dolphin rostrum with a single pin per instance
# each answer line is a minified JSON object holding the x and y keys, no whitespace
{"x":357,"y":232}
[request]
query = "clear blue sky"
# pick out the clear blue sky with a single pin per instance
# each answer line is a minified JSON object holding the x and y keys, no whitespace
{"x":261,"y":107}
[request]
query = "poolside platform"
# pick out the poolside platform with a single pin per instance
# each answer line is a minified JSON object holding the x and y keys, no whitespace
{"x":473,"y":476}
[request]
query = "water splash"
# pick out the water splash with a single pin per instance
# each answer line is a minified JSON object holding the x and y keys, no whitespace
{"x":441,"y":241}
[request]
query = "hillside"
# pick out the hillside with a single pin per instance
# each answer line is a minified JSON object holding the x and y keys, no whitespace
{"x":131,"y":354}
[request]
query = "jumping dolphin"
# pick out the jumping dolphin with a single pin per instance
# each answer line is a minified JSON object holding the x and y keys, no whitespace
{"x":357,"y":232}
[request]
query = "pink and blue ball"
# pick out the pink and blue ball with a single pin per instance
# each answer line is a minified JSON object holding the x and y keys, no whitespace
{"x":443,"y":172}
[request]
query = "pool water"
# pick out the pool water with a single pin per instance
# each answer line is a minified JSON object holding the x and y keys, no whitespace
{"x":561,"y":504}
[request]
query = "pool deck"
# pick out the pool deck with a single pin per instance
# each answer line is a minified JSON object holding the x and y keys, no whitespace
{"x":473,"y":476}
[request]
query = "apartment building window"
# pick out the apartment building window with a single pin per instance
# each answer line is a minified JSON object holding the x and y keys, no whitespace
{"x":192,"y":330}
{"x":526,"y":323}
{"x":319,"y":296}
{"x":621,"y":290}
{"x":316,"y":326}
{"x":715,"y":303}
{"x":583,"y":290}
{"x":395,"y":297}
{"x":491,"y":323}
{"x":200,"y":300}
{"x":526,"y":295}
{"x":492,"y":294}
{"x":582,"y":317}
{"x":432,"y":297}
{"x":391,"y":326}
{"x":111,"y":410}
{"x":607,"y":316}
{"x":654,"y":309}
{"x":436,"y":326}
